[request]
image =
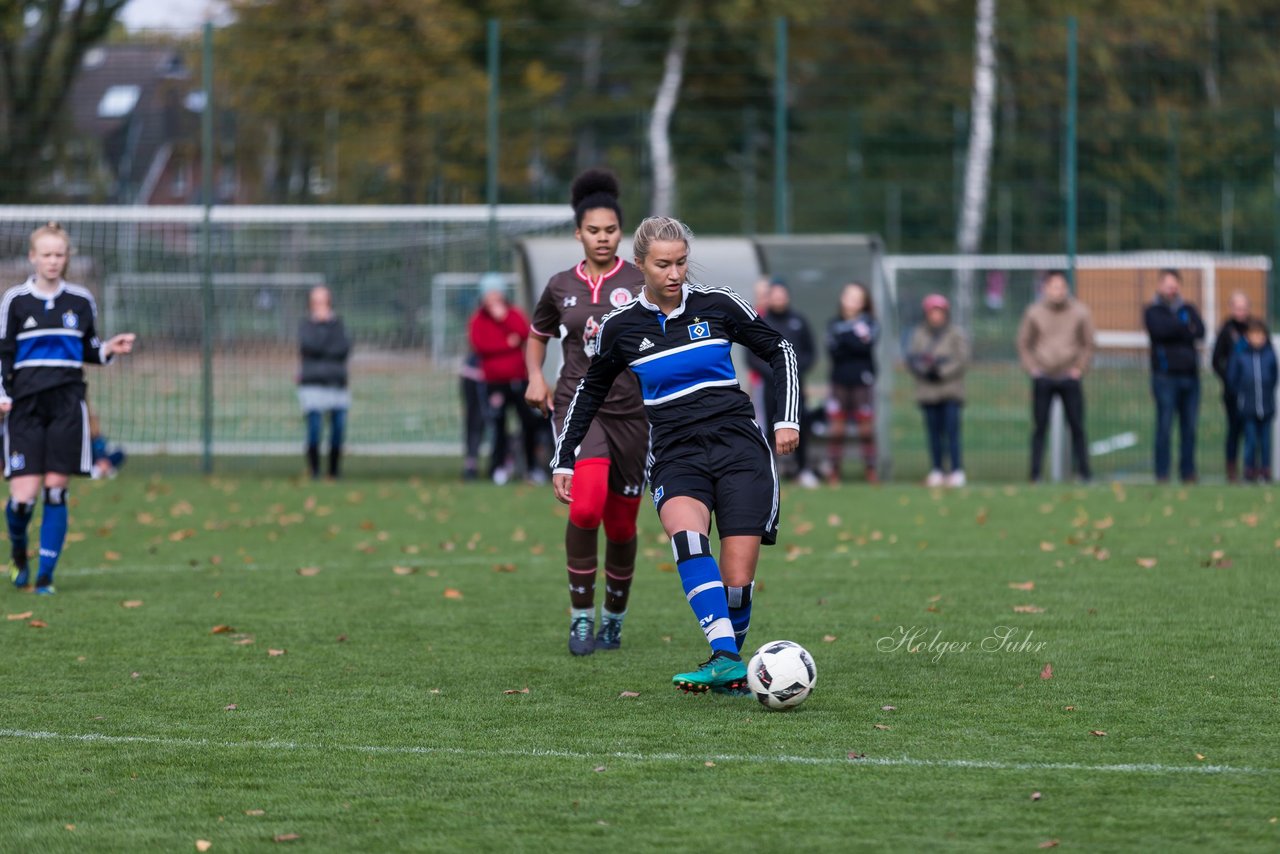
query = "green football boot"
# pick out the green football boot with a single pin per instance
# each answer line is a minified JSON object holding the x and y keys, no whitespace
{"x":722,"y":671}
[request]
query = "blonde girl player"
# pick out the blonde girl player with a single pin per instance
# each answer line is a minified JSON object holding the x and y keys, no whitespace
{"x":609,"y":470}
{"x":709,"y":455}
{"x":48,"y":332}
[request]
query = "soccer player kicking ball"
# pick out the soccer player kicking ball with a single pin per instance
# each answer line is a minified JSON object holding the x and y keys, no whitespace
{"x":708,"y":453}
{"x":47,"y":334}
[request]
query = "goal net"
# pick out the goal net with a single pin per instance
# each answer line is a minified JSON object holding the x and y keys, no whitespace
{"x":989,"y":294}
{"x":404,"y":281}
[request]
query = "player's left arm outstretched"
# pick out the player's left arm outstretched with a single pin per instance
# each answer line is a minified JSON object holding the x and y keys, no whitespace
{"x":758,"y":337}
{"x":98,"y":352}
{"x":591,"y":393}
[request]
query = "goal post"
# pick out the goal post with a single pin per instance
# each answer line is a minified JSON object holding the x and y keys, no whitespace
{"x":384,"y":264}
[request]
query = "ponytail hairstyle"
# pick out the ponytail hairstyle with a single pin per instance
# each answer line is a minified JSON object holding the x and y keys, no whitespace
{"x":592,"y":190}
{"x":51,"y":229}
{"x":659,"y":228}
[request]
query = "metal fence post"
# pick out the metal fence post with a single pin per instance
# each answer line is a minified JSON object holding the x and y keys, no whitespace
{"x":781,"y":210}
{"x":491,"y":138}
{"x":208,"y":327}
{"x":1072,"y":189}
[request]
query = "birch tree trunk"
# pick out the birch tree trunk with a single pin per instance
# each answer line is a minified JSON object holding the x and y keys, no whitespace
{"x":977,"y":166}
{"x":664,"y":106}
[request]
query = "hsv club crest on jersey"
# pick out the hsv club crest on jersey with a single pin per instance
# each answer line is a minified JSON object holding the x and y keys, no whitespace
{"x":575,"y":300}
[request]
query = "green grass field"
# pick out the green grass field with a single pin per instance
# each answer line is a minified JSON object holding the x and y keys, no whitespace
{"x":360,"y":698}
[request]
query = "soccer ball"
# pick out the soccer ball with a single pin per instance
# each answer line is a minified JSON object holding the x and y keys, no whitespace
{"x":781,"y":674}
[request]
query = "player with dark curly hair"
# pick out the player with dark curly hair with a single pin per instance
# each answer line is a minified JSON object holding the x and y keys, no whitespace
{"x":609,"y":470}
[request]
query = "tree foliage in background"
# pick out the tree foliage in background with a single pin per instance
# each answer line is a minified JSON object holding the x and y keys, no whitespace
{"x":42,"y":43}
{"x":384,"y":101}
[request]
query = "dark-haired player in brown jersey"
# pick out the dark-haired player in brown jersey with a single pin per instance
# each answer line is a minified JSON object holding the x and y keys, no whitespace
{"x":609,"y":469}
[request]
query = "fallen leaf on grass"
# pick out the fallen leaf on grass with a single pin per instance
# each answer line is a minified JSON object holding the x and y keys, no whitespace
{"x":524,"y":690}
{"x":255,"y":812}
{"x":1022,"y":585}
{"x":221,"y":629}
{"x":709,"y":764}
{"x":275,"y":652}
{"x":1027,"y":609}
{"x":1046,"y":546}
{"x":1104,"y":523}
{"x":1146,"y":562}
{"x":882,"y":726}
{"x":1099,"y":733}
{"x":68,"y":827}
{"x":853,"y":754}
{"x":828,"y":638}
{"x":629,"y":694}
{"x":1049,"y":843}
{"x":242,"y":641}
{"x":308,"y":571}
{"x":888,"y":708}
{"x":833,"y":520}
{"x":24,"y":615}
{"x":1102,"y":554}
{"x":285,"y":837}
{"x":203,"y":845}
{"x":38,"y":624}
{"x":1068,"y":708}
{"x":666,"y":567}
{"x":451,"y":593}
{"x":131,"y":603}
{"x":184,"y":534}
{"x":230,"y":707}
{"x":1200,"y":756}
{"x":504,"y":567}
{"x":111,"y":555}
{"x":598,"y":769}
{"x":1047,"y":672}
{"x":1035,"y":796}
{"x":404,"y":570}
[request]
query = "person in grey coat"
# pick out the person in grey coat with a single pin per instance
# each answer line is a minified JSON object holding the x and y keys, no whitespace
{"x":322,"y":383}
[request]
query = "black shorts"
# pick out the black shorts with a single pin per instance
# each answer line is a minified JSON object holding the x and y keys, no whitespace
{"x":624,"y":442}
{"x":48,"y":433}
{"x":730,"y":469}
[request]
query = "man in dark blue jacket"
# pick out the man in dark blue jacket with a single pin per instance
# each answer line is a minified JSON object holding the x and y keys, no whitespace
{"x":1175,"y":329}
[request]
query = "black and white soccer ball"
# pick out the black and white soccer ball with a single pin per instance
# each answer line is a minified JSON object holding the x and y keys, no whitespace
{"x":781,"y":674}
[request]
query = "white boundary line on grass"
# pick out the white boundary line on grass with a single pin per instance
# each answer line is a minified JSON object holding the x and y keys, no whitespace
{"x":533,"y":753}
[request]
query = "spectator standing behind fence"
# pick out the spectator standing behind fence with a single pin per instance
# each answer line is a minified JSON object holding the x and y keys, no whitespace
{"x":1229,"y":337}
{"x":322,"y":384}
{"x":792,"y":326}
{"x":1055,"y":346}
{"x":937,"y":356}
{"x":1252,"y":374}
{"x":1175,"y":328}
{"x":851,"y":342}
{"x":498,"y":331}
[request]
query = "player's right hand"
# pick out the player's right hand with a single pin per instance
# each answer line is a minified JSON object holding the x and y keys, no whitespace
{"x":538,"y":396}
{"x":5,"y":406}
{"x":563,"y":484}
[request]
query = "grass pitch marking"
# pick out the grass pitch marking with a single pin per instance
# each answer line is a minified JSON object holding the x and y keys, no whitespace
{"x":534,"y":753}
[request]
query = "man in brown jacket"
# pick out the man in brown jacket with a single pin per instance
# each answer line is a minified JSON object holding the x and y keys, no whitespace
{"x":1055,"y":345}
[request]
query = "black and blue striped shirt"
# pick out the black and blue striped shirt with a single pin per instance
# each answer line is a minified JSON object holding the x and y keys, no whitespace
{"x":683,"y":361}
{"x":46,"y":339}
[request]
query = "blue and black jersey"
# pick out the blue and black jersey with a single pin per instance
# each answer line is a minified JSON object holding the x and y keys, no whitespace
{"x":683,"y":363}
{"x":45,"y":340}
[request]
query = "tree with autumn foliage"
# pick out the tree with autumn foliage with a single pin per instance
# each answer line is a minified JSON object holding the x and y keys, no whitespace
{"x":42,"y":43}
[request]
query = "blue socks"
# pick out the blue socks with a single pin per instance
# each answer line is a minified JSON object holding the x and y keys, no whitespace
{"x":740,"y":612}
{"x":53,"y":532}
{"x":700,"y":577}
{"x":19,"y":518}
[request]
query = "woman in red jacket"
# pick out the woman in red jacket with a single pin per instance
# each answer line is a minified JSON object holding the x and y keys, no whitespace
{"x":498,"y":331}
